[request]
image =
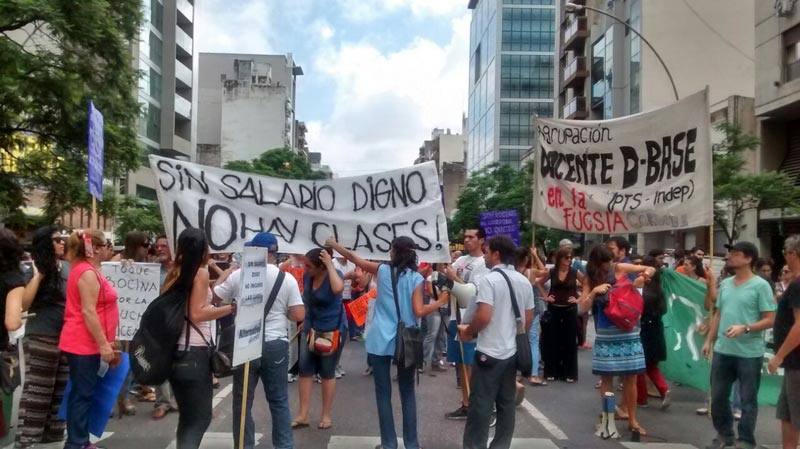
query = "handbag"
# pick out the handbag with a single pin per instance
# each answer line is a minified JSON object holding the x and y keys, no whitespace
{"x":324,"y":343}
{"x":226,"y":335}
{"x":524,"y":358}
{"x":9,"y":369}
{"x":408,"y":351}
{"x":625,"y":305}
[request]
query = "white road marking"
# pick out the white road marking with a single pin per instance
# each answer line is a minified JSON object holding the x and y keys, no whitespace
{"x":550,"y":426}
{"x":216,"y":440}
{"x":219,"y":397}
{"x":351,"y":442}
{"x":658,"y":446}
{"x":59,"y":445}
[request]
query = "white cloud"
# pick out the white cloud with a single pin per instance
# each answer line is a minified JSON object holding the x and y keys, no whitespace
{"x":323,"y":29}
{"x":223,"y":27}
{"x":387,"y":104}
{"x":368,"y":10}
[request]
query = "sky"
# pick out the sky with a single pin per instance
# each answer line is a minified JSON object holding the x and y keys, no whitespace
{"x":379,"y":74}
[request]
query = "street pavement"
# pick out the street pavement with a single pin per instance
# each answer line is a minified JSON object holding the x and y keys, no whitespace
{"x":559,"y":415}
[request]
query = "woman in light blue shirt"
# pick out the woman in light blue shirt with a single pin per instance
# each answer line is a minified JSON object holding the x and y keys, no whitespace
{"x":382,"y":334}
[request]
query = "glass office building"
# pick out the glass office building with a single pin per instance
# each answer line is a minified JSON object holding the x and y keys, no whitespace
{"x":511,"y":77}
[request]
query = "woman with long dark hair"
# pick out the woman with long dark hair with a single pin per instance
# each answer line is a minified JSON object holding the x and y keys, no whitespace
{"x":616,"y":352}
{"x":693,"y":267}
{"x":325,"y":322}
{"x":652,"y":335}
{"x":191,"y":375}
{"x":46,"y":367}
{"x":382,"y":335}
{"x":91,"y":317}
{"x":560,"y":327}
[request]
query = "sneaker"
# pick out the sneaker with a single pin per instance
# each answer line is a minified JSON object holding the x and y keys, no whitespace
{"x":439,"y":366}
{"x":737,"y":415}
{"x":716,"y":443}
{"x":339,"y":373}
{"x":460,"y":414}
{"x":702,"y":411}
{"x":292,"y":378}
{"x":667,"y":400}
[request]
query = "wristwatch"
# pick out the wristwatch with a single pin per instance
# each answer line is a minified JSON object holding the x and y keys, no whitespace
{"x":747,"y":329}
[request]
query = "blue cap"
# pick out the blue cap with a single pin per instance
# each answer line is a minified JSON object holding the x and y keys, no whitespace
{"x":264,"y":240}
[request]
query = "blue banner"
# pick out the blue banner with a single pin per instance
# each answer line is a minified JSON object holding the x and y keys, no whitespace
{"x":95,"y":144}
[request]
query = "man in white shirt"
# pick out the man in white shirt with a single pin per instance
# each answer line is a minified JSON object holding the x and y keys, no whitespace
{"x":273,"y":366}
{"x":495,"y":326}
{"x":469,"y":268}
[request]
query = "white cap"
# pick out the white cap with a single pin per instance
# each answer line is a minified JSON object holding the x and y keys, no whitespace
{"x":565,"y":242}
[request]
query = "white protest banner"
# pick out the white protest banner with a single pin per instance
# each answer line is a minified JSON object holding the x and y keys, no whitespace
{"x":643,"y":173}
{"x":249,"y":321}
{"x":137,"y":284}
{"x":363,"y":213}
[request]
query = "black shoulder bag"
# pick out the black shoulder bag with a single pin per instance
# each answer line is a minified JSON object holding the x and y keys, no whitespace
{"x":223,"y":350}
{"x":408,"y":343}
{"x":524,"y":360}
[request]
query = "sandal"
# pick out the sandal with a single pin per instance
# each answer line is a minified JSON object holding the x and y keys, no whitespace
{"x":325,"y":425}
{"x":638,"y":429}
{"x":299,"y":424}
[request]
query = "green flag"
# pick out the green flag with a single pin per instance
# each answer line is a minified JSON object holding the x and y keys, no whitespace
{"x":685,"y":327}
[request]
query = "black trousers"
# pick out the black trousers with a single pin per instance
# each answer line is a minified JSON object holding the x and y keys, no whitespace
{"x":559,"y":343}
{"x":491,"y":385}
{"x":191,"y":385}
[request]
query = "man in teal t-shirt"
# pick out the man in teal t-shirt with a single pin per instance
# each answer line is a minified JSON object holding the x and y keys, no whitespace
{"x":745,"y":307}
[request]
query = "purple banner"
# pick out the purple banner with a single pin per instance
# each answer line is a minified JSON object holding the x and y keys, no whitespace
{"x":501,"y":222}
{"x":95,"y":142}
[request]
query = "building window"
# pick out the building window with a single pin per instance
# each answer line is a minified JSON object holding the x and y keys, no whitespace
{"x":516,"y":121}
{"x":156,"y":49}
{"x":528,"y":29}
{"x":791,"y":53}
{"x":476,"y":63}
{"x":157,"y":15}
{"x":602,"y":64}
{"x":146,"y":193}
{"x":528,"y":2}
{"x":150,"y":122}
{"x":636,"y":57}
{"x":526,"y":76}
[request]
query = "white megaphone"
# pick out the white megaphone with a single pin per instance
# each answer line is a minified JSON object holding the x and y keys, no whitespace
{"x":463,"y":293}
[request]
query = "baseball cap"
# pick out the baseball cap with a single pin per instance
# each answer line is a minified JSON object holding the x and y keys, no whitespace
{"x":746,"y":248}
{"x":424,"y":266}
{"x":264,"y":240}
{"x":565,"y":242}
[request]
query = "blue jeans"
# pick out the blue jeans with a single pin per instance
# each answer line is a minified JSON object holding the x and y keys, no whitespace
{"x":432,"y":324}
{"x":83,"y":377}
{"x":381,"y":373}
{"x":272,"y":369}
{"x":725,"y":370}
{"x":533,"y":337}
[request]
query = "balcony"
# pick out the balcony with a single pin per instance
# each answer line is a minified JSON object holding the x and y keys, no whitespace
{"x":184,"y":42}
{"x":575,"y":33}
{"x":575,"y":73}
{"x":575,"y":109}
{"x":182,"y":145}
{"x":183,"y":107}
{"x":183,"y":75}
{"x":186,"y":10}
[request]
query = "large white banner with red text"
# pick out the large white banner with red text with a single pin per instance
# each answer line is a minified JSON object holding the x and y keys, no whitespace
{"x":642,"y":173}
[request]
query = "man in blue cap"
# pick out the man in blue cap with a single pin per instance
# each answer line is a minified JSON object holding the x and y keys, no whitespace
{"x":287,"y":304}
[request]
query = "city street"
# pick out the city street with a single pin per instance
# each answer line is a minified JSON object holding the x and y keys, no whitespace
{"x":559,"y":415}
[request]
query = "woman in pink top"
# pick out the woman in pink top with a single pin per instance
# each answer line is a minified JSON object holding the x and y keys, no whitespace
{"x":90,"y":328}
{"x":191,"y":372}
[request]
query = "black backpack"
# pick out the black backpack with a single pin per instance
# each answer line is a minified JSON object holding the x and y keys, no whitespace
{"x":153,"y":345}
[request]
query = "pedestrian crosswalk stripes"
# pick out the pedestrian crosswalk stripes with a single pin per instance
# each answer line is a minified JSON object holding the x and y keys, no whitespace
{"x":217,"y":440}
{"x":657,"y":446}
{"x":353,"y":442}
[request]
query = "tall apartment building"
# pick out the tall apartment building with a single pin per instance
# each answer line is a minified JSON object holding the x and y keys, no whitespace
{"x":164,"y":55}
{"x":511,"y":77}
{"x":246,"y":106}
{"x":606,"y":71}
{"x":777,"y":106}
{"x":446,"y":150}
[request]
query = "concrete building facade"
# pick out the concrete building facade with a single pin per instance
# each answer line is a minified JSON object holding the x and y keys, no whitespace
{"x":606,"y":71}
{"x":446,"y":150}
{"x":164,"y":54}
{"x":246,"y":106}
{"x":511,"y":77}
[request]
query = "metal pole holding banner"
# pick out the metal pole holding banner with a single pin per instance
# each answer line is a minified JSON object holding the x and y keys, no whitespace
{"x":243,"y":413}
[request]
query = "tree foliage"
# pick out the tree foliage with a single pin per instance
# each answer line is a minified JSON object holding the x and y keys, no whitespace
{"x":278,"y":163}
{"x":55,"y":56}
{"x":736,"y":191}
{"x":501,"y":187}
{"x":136,"y":214}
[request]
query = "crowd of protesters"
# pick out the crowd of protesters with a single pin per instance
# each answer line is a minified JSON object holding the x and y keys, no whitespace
{"x":70,"y":316}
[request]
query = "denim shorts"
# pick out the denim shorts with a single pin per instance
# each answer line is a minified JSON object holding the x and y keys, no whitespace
{"x":453,"y":349}
{"x":311,"y":363}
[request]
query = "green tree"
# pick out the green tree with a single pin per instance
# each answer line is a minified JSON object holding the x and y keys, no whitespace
{"x":736,"y":191}
{"x":55,"y":56}
{"x":136,"y":214}
{"x":278,"y":163}
{"x":501,"y":187}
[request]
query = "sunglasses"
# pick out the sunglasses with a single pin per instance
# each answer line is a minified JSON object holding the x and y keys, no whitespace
{"x":58,"y":240}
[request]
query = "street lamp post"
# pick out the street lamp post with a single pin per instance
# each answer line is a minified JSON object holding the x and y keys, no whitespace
{"x":572,"y":7}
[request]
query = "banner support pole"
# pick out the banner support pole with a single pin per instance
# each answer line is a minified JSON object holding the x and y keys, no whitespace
{"x":95,"y":219}
{"x":711,"y":246}
{"x":244,"y":404}
{"x":533,"y":235}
